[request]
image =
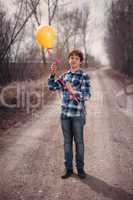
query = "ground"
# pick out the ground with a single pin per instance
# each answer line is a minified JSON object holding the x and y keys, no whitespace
{"x":31,"y":154}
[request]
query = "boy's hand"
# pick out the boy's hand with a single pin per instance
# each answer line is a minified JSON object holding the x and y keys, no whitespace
{"x":53,"y":69}
{"x":71,"y":89}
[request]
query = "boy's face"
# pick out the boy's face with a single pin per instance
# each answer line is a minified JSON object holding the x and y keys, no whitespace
{"x":74,"y":61}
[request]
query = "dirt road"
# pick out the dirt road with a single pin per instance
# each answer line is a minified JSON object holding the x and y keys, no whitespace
{"x":31,"y":155}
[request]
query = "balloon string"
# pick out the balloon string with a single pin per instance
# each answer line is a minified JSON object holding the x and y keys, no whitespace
{"x":61,"y":81}
{"x":57,"y":60}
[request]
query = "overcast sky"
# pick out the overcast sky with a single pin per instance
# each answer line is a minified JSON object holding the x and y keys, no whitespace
{"x":96,"y":25}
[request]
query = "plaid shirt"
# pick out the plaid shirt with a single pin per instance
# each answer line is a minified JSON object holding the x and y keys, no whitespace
{"x":81,"y":81}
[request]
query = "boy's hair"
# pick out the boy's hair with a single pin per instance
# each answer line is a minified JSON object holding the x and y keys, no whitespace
{"x":76,"y":53}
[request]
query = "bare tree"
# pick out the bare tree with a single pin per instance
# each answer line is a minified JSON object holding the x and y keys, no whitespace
{"x":52,"y":6}
{"x":73,"y":29}
{"x":84,"y":27}
{"x":4,"y":40}
{"x":69,"y":28}
{"x":120,"y":36}
{"x":10,"y":32}
{"x":18,"y":26}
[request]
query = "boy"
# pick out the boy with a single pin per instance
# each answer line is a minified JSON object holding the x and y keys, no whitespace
{"x":75,"y":86}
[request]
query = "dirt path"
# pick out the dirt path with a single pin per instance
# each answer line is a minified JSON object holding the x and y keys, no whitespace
{"x":31,"y":156}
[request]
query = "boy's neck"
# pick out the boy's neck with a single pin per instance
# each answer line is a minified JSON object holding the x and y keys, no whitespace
{"x":74,"y":69}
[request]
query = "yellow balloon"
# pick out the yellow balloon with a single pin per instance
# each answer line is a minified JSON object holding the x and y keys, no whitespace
{"x":45,"y":36}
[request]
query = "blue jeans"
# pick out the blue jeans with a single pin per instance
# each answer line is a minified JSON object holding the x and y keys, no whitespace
{"x":72,"y":128}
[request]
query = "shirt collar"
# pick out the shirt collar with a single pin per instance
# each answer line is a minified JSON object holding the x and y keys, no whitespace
{"x":77,"y":72}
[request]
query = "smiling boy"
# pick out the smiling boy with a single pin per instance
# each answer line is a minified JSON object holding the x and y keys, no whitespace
{"x":76,"y":90}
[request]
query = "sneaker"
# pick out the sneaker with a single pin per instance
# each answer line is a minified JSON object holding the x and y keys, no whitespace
{"x":68,"y":173}
{"x":81,"y":173}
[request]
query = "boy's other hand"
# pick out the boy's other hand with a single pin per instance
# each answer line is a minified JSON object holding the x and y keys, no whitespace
{"x":53,"y":69}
